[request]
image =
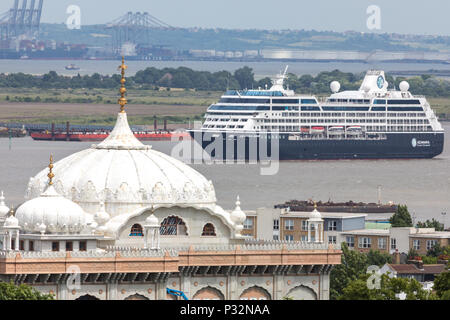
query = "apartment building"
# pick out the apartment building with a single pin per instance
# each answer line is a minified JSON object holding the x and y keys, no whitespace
{"x":338,"y":227}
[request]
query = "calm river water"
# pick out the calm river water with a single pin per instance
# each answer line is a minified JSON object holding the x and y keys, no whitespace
{"x":424,"y":185}
{"x":261,"y":69}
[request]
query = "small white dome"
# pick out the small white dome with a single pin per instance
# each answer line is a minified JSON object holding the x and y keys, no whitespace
{"x":152,"y":221}
{"x":101,"y":217}
{"x":315,"y":215}
{"x":404,"y":86}
{"x":238,"y":216}
{"x":4,"y":210}
{"x":42,"y":228}
{"x":11,"y":222}
{"x":335,"y":86}
{"x":59,"y":214}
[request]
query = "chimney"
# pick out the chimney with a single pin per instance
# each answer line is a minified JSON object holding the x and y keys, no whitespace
{"x":396,"y":257}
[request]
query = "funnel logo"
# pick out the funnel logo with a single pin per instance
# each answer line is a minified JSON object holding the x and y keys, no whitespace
{"x":380,"y":82}
{"x":414,"y":142}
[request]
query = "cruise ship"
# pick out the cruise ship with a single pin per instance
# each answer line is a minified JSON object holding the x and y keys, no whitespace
{"x":276,"y":123}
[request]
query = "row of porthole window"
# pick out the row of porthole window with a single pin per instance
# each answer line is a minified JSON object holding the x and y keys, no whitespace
{"x":172,"y":226}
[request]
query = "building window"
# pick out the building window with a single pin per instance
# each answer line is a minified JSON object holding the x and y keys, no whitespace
{"x":83,"y":246}
{"x":289,"y":237}
{"x":209,"y":230}
{"x":304,"y":238}
{"x":350,"y":241}
{"x":276,"y":237}
{"x":13,"y":244}
{"x":431,"y":244}
{"x":416,"y":244}
{"x":30,"y":245}
{"x":69,"y":246}
{"x":276,"y":224}
{"x":55,"y":246}
{"x":382,"y":243}
{"x":365,"y":242}
{"x":304,"y":225}
{"x":173,"y":226}
{"x":332,"y":225}
{"x":136,"y":231}
{"x":248,"y":223}
{"x":289,"y":224}
{"x":21,"y":245}
{"x":332,"y":239}
{"x":393,"y":243}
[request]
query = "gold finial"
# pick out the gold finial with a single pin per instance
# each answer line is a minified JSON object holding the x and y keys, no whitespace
{"x":122,"y":100}
{"x":315,"y":205}
{"x":50,"y":175}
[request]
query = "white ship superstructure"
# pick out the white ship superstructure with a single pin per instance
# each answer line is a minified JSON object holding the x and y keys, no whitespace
{"x":371,"y":109}
{"x":372,"y":122}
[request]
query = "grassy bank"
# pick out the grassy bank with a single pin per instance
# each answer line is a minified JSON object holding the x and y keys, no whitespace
{"x":99,"y":106}
{"x":106,"y":96}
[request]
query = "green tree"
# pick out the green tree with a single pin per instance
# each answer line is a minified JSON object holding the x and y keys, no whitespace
{"x":353,"y":265}
{"x":433,"y":223}
{"x":442,"y":285}
{"x":378,"y":258}
{"x":9,"y":291}
{"x":389,"y":289}
{"x":435,"y":251}
{"x":401,"y":218}
{"x":245,"y":77}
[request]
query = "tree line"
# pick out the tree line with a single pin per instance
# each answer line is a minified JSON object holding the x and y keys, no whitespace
{"x":240,"y":79}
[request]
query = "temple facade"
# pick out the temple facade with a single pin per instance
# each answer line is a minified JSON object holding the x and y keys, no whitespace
{"x":122,"y":221}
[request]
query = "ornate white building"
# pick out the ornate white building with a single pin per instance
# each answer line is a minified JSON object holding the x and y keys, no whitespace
{"x":122,"y":221}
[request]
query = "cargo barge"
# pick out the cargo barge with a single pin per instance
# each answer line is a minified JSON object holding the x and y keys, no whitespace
{"x":350,"y":206}
{"x":100,"y":136}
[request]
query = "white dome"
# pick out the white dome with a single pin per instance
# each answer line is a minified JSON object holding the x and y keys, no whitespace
{"x":315,"y":215}
{"x":125,"y":174}
{"x":238,"y":216}
{"x":101,"y":217}
{"x":152,"y":221}
{"x":404,"y":86}
{"x":57,"y":213}
{"x":335,"y":86}
{"x":3,"y":208}
{"x":11,"y":222}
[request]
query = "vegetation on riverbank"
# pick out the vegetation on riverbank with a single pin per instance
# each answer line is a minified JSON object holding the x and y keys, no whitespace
{"x":176,"y":95}
{"x":187,"y":79}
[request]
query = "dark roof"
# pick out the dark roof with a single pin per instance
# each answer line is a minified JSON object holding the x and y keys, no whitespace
{"x":413,"y":269}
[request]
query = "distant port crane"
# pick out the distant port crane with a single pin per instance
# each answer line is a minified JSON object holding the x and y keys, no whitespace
{"x":134,"y":28}
{"x":20,"y":20}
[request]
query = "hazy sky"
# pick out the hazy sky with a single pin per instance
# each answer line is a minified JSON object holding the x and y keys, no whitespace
{"x":401,"y":16}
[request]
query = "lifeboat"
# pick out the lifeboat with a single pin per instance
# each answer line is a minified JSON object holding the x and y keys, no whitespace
{"x":335,"y":130}
{"x":354,"y":130}
{"x":315,"y":130}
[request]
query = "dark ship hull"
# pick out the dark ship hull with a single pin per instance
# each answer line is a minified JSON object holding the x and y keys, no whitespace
{"x":288,"y":146}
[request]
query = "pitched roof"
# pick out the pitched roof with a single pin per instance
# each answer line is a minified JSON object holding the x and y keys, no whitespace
{"x":413,"y":269}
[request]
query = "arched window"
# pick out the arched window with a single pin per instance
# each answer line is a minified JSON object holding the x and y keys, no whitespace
{"x":136,"y":231}
{"x":87,"y":297}
{"x":173,"y":226}
{"x":209,"y":230}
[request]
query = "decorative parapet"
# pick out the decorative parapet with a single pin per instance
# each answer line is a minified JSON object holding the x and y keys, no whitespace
{"x":137,"y":260}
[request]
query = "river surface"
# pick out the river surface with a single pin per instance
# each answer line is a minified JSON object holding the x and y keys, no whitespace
{"x":261,"y":69}
{"x":424,"y":185}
